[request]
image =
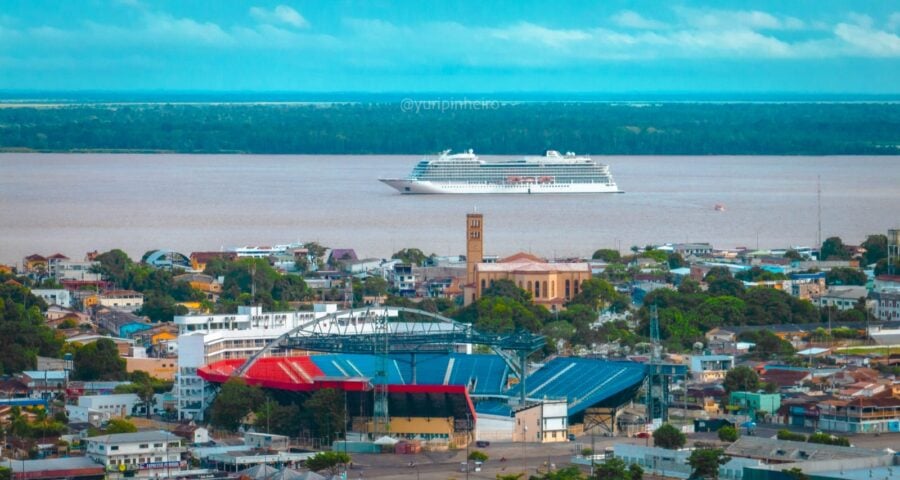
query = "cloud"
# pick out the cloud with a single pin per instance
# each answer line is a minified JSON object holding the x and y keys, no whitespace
{"x":163,"y":26}
{"x":894,"y":21}
{"x":869,"y":41}
{"x":632,"y":19}
{"x":731,"y":19}
{"x":282,"y":14}
{"x":525,"y":32}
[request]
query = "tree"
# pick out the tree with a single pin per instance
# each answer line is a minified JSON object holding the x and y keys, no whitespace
{"x":741,"y":379}
{"x":607,"y":255}
{"x":23,"y":333}
{"x":876,"y":248}
{"x":845,"y":276}
{"x":667,"y":436}
{"x":796,"y":473}
{"x":510,"y":476}
{"x":326,"y":409}
{"x":594,"y":293}
{"x":571,"y":472}
{"x":675,"y":260}
{"x":99,"y":360}
{"x":617,"y":469}
{"x":478,"y":456}
{"x":234,"y":402}
{"x":411,"y":256}
{"x":273,"y":417}
{"x":728,"y":433}
{"x":705,"y":462}
{"x":119,"y":425}
{"x":720,"y":282}
{"x":833,"y":249}
{"x":793,"y":255}
{"x":333,"y":462}
{"x":785,"y":434}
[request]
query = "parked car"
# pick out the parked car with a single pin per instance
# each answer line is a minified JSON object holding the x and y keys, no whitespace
{"x":482,"y":443}
{"x":643,"y":435}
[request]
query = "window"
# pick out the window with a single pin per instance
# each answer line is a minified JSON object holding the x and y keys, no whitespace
{"x":114,"y":447}
{"x":157,"y":445}
{"x":568,"y":285}
{"x":143,"y":445}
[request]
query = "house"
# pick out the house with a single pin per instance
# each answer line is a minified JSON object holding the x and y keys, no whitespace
{"x":887,"y":304}
{"x":115,"y":405}
{"x":162,"y":368}
{"x":192,"y":433}
{"x":692,"y":249}
{"x":44,"y":384}
{"x":200,"y":259}
{"x":123,"y":345}
{"x":120,"y":323}
{"x":785,"y":379}
{"x":75,"y":270}
{"x":840,"y":298}
{"x":404,"y":280}
{"x":339,"y":255}
{"x":707,"y":368}
{"x":754,"y":403}
{"x":543,"y":422}
{"x":202,"y":282}
{"x":146,"y":454}
{"x":127,"y":300}
{"x":35,"y":264}
{"x":861,"y":415}
{"x":54,"y":296}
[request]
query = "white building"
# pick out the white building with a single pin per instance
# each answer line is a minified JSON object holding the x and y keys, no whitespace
{"x":545,"y":421}
{"x":54,"y":296}
{"x":404,"y":280}
{"x":708,"y":368}
{"x":841,"y":298}
{"x":127,"y":300}
{"x":148,"y":454}
{"x":115,"y":405}
{"x":75,"y":270}
{"x":205,"y":339}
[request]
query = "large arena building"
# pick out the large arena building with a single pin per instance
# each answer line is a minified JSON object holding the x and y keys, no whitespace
{"x":441,"y":396}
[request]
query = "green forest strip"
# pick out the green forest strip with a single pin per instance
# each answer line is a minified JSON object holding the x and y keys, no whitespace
{"x":488,"y":127}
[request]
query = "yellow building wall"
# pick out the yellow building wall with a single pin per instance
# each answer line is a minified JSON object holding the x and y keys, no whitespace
{"x":162,"y":336}
{"x":162,"y":368}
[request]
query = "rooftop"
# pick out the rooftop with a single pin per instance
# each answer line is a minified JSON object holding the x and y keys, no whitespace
{"x":53,"y":465}
{"x":788,"y":451}
{"x":136,"y":437}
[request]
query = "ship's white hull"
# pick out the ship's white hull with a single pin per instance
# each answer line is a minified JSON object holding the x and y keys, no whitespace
{"x":407,"y":186}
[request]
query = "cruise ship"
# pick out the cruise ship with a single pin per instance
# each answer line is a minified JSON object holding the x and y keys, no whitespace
{"x":466,"y":173}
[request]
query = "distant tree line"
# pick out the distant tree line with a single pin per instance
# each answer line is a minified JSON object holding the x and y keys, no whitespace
{"x":512,"y":128}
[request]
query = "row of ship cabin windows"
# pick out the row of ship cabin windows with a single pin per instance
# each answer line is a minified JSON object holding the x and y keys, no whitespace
{"x":537,"y":287}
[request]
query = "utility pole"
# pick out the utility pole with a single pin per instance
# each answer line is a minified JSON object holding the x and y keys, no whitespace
{"x":819,"y":208}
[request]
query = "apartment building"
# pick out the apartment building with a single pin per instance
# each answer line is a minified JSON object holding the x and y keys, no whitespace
{"x":145,"y":454}
{"x":204,"y":339}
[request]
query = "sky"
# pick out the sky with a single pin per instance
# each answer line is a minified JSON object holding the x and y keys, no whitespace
{"x":807,"y":47}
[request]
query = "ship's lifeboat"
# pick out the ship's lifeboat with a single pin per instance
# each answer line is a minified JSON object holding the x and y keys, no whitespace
{"x":528,"y":179}
{"x":719,"y":207}
{"x":545,"y":180}
{"x":513,"y":179}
